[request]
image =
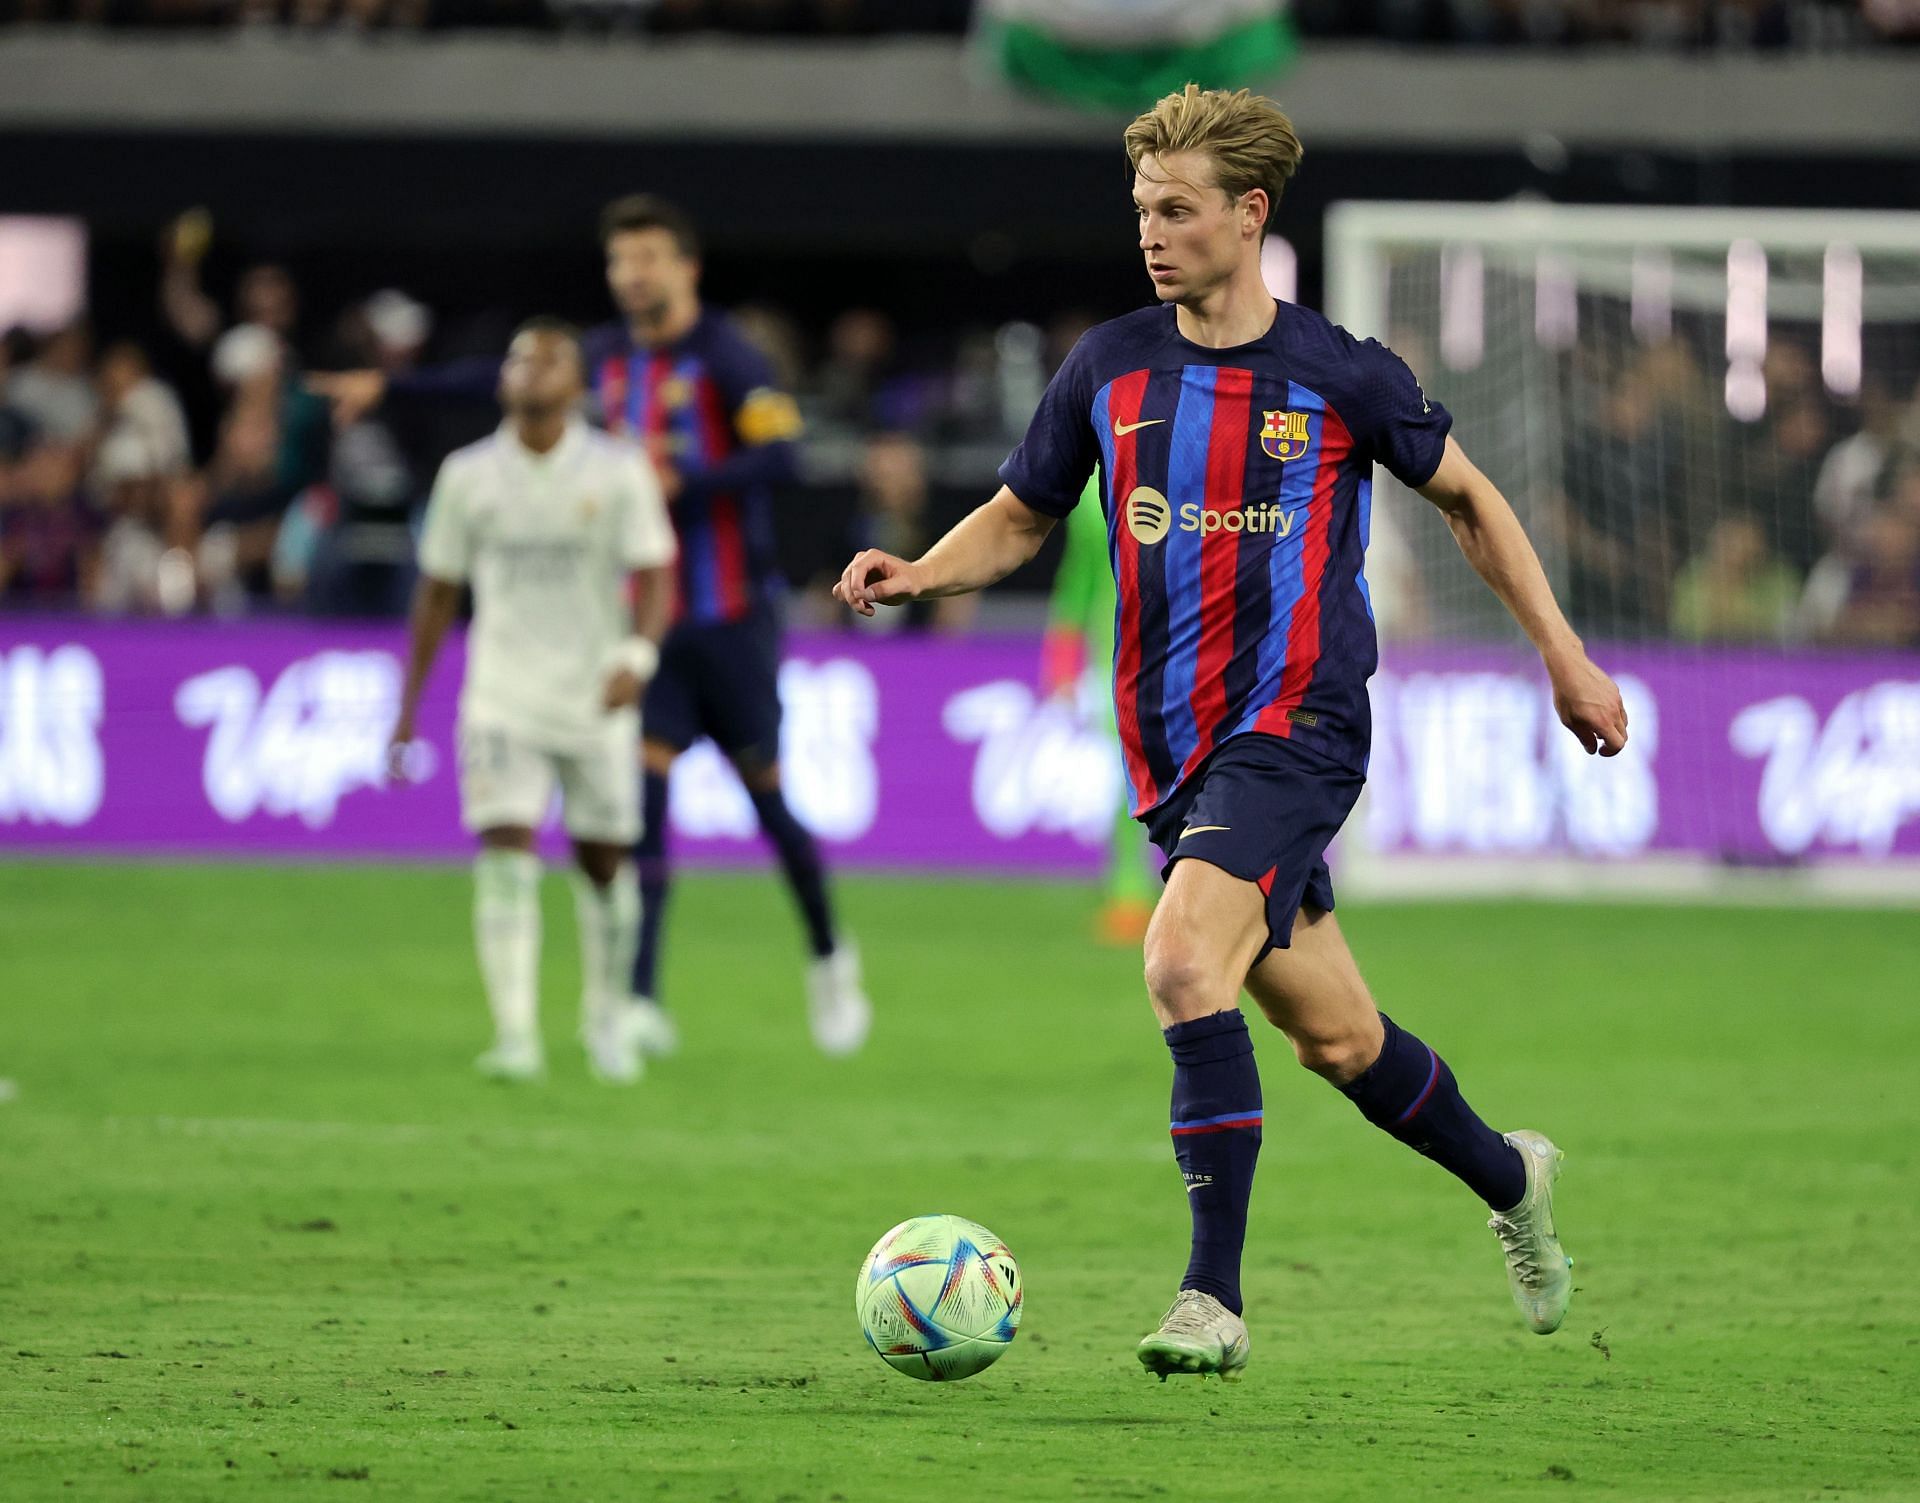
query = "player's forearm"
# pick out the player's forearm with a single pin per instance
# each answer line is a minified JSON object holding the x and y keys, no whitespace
{"x":744,"y":469}
{"x":1493,"y":541}
{"x":652,"y":602}
{"x":191,"y":314}
{"x":471,"y":379}
{"x":983,"y":548}
{"x":435,"y":603}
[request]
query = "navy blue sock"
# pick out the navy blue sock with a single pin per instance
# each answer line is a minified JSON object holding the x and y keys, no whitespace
{"x":1216,"y":1138}
{"x":800,"y":859}
{"x":650,"y":864}
{"x":1409,"y":1093}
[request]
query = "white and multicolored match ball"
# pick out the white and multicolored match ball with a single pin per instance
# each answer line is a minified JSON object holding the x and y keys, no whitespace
{"x":939,"y":1298}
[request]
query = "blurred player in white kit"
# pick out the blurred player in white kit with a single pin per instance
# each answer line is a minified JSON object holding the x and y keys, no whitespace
{"x":563,"y":535}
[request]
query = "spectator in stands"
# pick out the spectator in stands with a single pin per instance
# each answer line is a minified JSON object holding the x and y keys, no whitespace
{"x":361,"y":563}
{"x":138,"y":404}
{"x":257,"y":358}
{"x":16,"y":347}
{"x":1620,"y":492}
{"x":137,"y":573}
{"x":238,"y":501}
{"x":1882,"y":608}
{"x":1693,"y":418}
{"x":47,"y":531}
{"x":16,"y":436}
{"x":1775,"y":463}
{"x":1736,"y":590}
{"x":848,"y":388}
{"x":347,"y":546}
{"x":893,"y":514}
{"x":266,"y":299}
{"x":54,"y":388}
{"x":1866,"y":593}
{"x":1844,"y":490}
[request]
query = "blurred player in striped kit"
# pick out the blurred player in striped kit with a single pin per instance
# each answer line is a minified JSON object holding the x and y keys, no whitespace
{"x":684,"y":381}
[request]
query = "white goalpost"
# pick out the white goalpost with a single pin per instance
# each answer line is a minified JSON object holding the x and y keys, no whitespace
{"x":1709,"y":422}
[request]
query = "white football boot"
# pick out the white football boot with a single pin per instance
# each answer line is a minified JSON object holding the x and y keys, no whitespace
{"x":513,"y":1058}
{"x":612,"y":1039}
{"x":653,"y":1028}
{"x":837,"y":1007}
{"x":1539,"y":1272}
{"x":1199,"y":1335}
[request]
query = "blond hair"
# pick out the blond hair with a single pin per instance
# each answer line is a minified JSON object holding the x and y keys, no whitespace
{"x":1249,"y":139}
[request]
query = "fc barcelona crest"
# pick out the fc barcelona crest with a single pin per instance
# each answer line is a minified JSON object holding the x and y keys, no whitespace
{"x":1285,"y":435}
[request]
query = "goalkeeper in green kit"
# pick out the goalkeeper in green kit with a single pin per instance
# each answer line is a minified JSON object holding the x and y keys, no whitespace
{"x":1079,"y":647}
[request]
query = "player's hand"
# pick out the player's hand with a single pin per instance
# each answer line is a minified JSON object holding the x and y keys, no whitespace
{"x":1588,"y":703}
{"x":399,"y":745}
{"x":623,"y":689}
{"x":876,"y":578}
{"x":353,"y":393}
{"x":185,"y":242}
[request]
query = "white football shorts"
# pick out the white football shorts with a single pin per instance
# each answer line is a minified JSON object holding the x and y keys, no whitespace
{"x":508,"y":780}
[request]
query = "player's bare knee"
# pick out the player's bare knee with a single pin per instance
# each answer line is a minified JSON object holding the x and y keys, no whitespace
{"x":1180,"y":982}
{"x":599,"y":863}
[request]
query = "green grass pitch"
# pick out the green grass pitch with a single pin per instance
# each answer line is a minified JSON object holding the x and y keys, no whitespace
{"x":266,"y":1236}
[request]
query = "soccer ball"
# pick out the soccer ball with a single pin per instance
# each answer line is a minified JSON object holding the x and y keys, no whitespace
{"x":939,"y":1298}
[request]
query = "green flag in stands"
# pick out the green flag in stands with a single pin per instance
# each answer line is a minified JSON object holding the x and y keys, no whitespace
{"x":1124,"y":54}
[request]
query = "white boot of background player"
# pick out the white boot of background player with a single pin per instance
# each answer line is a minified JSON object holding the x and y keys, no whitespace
{"x":837,"y":1005}
{"x":609,"y":919}
{"x":653,"y":1027}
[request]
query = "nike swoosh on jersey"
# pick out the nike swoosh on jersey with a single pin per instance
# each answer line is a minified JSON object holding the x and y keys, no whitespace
{"x":1121,"y":430}
{"x":1201,"y":829}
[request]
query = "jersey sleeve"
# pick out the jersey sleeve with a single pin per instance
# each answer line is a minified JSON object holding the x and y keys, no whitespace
{"x":446,"y":538}
{"x":1050,"y":466}
{"x":1398,"y":424}
{"x":644,"y":536}
{"x":761,"y":413}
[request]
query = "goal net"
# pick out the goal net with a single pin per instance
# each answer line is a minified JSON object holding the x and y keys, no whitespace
{"x":1708,"y":422}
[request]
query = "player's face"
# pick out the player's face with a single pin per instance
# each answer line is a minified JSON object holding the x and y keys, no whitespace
{"x":648,"y":274}
{"x":541,"y":373}
{"x":1192,"y":234}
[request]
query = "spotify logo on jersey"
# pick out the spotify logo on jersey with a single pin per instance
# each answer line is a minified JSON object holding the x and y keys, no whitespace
{"x":1148,"y":515}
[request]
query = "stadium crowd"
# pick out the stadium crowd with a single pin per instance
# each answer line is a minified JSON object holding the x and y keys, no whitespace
{"x":1658,"y":23}
{"x":1673,"y":519}
{"x":199,"y":472}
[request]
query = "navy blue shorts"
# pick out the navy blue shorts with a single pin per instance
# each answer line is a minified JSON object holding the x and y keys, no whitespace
{"x":719,"y":679}
{"x":1264,"y":810}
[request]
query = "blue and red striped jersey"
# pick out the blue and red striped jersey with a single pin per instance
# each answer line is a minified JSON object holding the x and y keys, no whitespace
{"x":708,"y":404}
{"x":1236,"y":485}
